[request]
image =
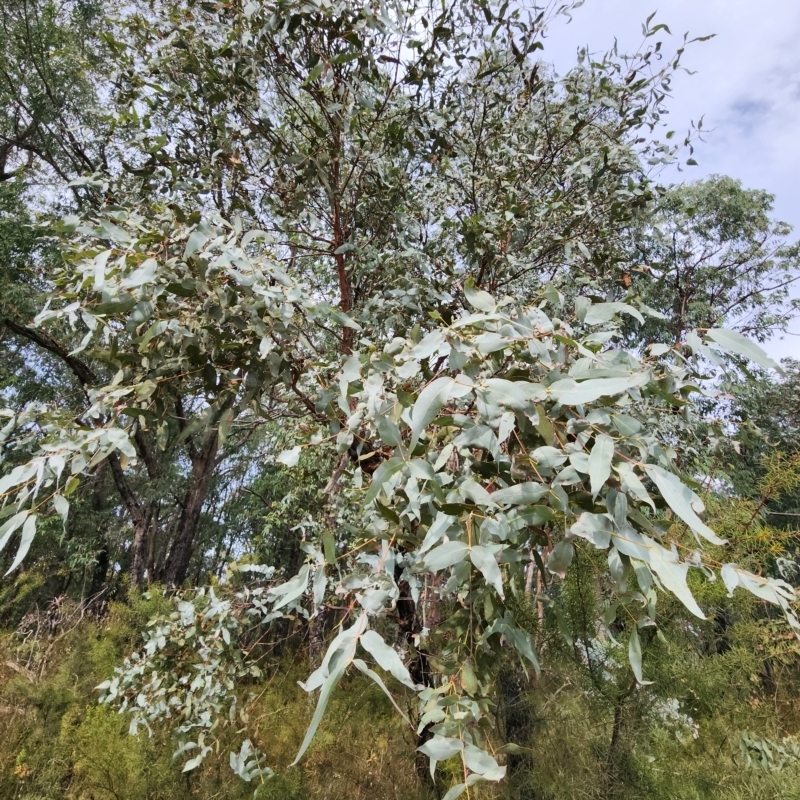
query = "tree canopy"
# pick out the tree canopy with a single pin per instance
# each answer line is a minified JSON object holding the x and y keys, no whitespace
{"x":336,"y":314}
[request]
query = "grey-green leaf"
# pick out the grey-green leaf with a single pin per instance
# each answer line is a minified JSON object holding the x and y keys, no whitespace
{"x":386,"y":657}
{"x":427,"y":406}
{"x":682,"y":500}
{"x":484,"y":560}
{"x":735,"y":342}
{"x":445,"y":555}
{"x":600,"y":462}
{"x":521,"y":494}
{"x":28,"y":532}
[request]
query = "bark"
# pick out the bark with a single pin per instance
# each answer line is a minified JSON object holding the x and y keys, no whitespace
{"x":142,"y":517}
{"x":180,"y":554}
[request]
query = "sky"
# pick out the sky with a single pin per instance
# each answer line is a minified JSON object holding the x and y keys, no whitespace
{"x":746,"y":86}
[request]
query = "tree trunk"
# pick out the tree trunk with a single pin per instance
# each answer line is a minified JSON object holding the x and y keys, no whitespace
{"x":180,"y":554}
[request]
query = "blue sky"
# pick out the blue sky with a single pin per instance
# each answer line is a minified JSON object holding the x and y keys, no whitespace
{"x":746,"y":86}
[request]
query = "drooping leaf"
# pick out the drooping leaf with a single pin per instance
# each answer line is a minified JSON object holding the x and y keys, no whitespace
{"x":428,"y":404}
{"x":600,"y":462}
{"x":682,"y":500}
{"x":386,"y":657}
{"x":485,"y":561}
{"x":735,"y":342}
{"x":26,"y":538}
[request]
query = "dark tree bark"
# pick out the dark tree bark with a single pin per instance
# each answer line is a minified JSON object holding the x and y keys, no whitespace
{"x":180,"y":554}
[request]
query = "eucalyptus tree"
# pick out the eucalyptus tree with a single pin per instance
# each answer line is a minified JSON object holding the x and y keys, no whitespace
{"x":712,"y":254}
{"x":388,"y":228}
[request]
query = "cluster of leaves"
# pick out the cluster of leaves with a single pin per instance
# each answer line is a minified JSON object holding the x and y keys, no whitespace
{"x":389,"y":231}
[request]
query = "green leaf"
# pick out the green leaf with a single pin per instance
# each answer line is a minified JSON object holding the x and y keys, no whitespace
{"x":682,"y":500}
{"x":479,"y":299}
{"x":28,"y":532}
{"x":428,"y":404}
{"x":381,"y":475}
{"x":600,"y":462}
{"x":329,"y":546}
{"x":735,"y":342}
{"x":484,"y":560}
{"x":445,"y":556}
{"x":386,"y":657}
{"x":521,"y":494}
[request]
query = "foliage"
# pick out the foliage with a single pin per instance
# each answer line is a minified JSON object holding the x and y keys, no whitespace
{"x":381,"y":269}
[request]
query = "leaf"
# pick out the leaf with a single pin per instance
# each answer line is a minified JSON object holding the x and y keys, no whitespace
{"x":61,"y":505}
{"x":595,"y":528}
{"x":561,"y":557}
{"x":289,"y":458}
{"x":519,"y":395}
{"x":600,"y":462}
{"x":440,"y":748}
{"x":329,"y":547}
{"x":194,"y":763}
{"x":571,"y":393}
{"x":427,"y":406}
{"x":455,"y":791}
{"x":386,"y":657}
{"x":195,"y":241}
{"x":735,"y":342}
{"x":479,"y":299}
{"x":436,"y":531}
{"x":480,"y":762}
{"x":319,"y":585}
{"x":599,"y":313}
{"x":291,"y":590}
{"x":445,"y":556}
{"x":28,"y":532}
{"x":145,"y":274}
{"x":484,"y":560}
{"x":682,"y":500}
{"x":672,"y":573}
{"x":388,"y":431}
{"x":344,"y":320}
{"x":521,"y":494}
{"x":381,"y":475}
{"x":9,"y":526}
{"x":324,"y":696}
{"x":635,"y":654}
{"x":633,"y":485}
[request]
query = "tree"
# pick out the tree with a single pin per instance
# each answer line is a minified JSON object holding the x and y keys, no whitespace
{"x":712,"y":253}
{"x":393,"y":231}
